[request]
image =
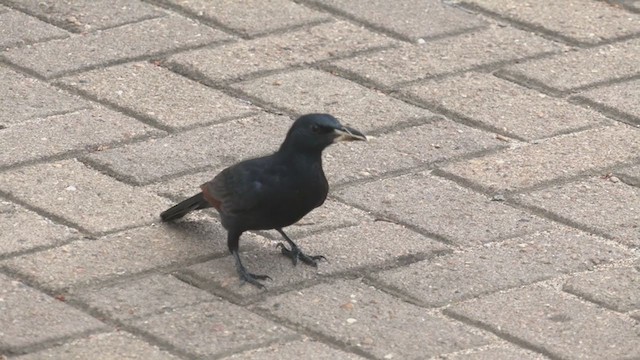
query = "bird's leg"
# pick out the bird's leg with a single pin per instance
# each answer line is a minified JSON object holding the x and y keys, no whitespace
{"x":232,"y":241}
{"x":295,"y":253}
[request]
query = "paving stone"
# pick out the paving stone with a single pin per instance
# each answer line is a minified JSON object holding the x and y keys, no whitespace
{"x":617,"y":289}
{"x":495,"y":353}
{"x":83,"y":52}
{"x":19,"y":29}
{"x":354,"y":250}
{"x":236,"y":140}
{"x":360,"y":316}
{"x":596,"y":203}
{"x":248,"y":16}
{"x":630,"y":175}
{"x":21,"y":230}
{"x":157,"y":94}
{"x":443,"y":208}
{"x":237,"y":60}
{"x":142,"y":297}
{"x":524,"y":113}
{"x":633,"y":5}
{"x":490,"y":46}
{"x":301,"y":349}
{"x":556,"y":323}
{"x":618,"y":98}
{"x":86,"y":262}
{"x":573,"y":70}
{"x":523,"y":260}
{"x":597,"y":22}
{"x":112,"y":345}
{"x":317,"y":91}
{"x":525,"y":166}
{"x":29,"y":317}
{"x":60,"y":134}
{"x":80,"y":195}
{"x":88,"y":15}
{"x":407,"y":17}
{"x":212,"y":329}
{"x":23,"y":97}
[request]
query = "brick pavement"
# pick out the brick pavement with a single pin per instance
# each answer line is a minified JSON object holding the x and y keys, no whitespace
{"x":494,"y":213}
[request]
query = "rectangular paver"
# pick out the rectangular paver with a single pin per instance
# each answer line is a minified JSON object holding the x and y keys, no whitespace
{"x":630,"y":175}
{"x":617,"y":289}
{"x":551,"y":159}
{"x":618,"y":99}
{"x":127,"y":42}
{"x":159,"y":95}
{"x":496,"y":353}
{"x":556,"y":323}
{"x":295,"y":349}
{"x":20,"y":29}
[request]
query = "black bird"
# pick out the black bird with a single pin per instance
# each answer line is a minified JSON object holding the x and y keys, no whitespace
{"x":274,"y":191}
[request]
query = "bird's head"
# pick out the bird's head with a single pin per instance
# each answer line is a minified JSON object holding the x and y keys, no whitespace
{"x":314,"y":132}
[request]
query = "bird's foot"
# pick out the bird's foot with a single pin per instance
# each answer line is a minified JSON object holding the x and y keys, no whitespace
{"x":252,"y":279}
{"x":296,"y":254}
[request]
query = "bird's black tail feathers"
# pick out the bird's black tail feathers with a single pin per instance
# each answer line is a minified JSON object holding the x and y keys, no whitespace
{"x":183,"y":208}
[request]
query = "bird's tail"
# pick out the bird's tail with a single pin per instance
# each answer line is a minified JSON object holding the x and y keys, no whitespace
{"x":183,"y":208}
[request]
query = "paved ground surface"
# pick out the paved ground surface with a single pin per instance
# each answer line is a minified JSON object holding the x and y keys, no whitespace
{"x":494,"y":214}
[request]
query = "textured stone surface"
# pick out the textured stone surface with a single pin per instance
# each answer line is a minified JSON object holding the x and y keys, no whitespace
{"x":375,"y":322}
{"x":237,"y":60}
{"x":596,"y":203}
{"x":20,"y":29}
{"x":495,"y":353}
{"x":557,"y":323}
{"x":407,"y":17}
{"x":559,"y":157}
{"x":523,"y":113}
{"x":523,"y":260}
{"x":618,"y":98}
{"x":29,"y":317}
{"x":127,"y":42}
{"x":573,"y":70}
{"x":248,"y":16}
{"x":90,"y":261}
{"x":82,"y":196}
{"x":490,"y":46}
{"x":630,"y":175}
{"x":21,"y":230}
{"x":317,"y":91}
{"x":112,"y":345}
{"x":81,"y":130}
{"x":157,"y":94}
{"x":598,"y":21}
{"x":212,"y":328}
{"x":302,"y":349}
{"x":443,"y":208}
{"x":617,"y":289}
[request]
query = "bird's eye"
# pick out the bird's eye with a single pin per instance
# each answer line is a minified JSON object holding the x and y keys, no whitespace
{"x":316,"y":129}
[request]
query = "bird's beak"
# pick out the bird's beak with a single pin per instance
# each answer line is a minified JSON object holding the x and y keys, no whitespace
{"x":348,"y":134}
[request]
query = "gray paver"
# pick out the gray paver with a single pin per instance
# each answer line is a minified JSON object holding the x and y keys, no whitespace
{"x":375,"y":322}
{"x":407,"y":17}
{"x":572,"y":70}
{"x":83,"y":196}
{"x":21,"y":230}
{"x":238,"y":60}
{"x":618,"y":98}
{"x":317,"y":91}
{"x":489,"y":46}
{"x":248,"y":16}
{"x":85,"y":262}
{"x":495,"y":353}
{"x":523,"y":113}
{"x":558,"y":323}
{"x":598,"y":21}
{"x":19,"y":29}
{"x":111,"y":345}
{"x":156,"y":93}
{"x":596,"y":203}
{"x":81,"y":52}
{"x":88,"y":15}
{"x":23,"y":97}
{"x":538,"y":163}
{"x":443,"y":208}
{"x":142,"y":297}
{"x":630,"y":175}
{"x":29,"y":317}
{"x":60,"y":134}
{"x":212,"y":328}
{"x":301,"y":349}
{"x":617,"y":289}
{"x":524,"y":260}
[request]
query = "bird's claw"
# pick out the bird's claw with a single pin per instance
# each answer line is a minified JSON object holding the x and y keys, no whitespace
{"x":252,"y":279}
{"x":295,"y":254}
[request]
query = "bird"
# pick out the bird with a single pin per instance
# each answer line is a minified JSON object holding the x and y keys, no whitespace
{"x":273,"y":191}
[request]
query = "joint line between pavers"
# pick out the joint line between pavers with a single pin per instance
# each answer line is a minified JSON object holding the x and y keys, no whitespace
{"x":608,"y":111}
